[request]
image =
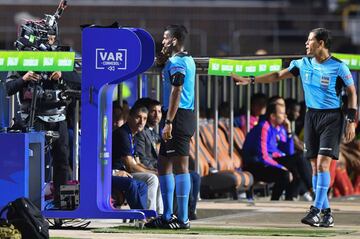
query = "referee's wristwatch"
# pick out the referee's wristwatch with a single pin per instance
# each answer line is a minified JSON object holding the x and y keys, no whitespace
{"x":167,"y":121}
{"x":252,"y":80}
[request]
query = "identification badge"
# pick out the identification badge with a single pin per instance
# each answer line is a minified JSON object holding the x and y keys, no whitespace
{"x":324,"y":82}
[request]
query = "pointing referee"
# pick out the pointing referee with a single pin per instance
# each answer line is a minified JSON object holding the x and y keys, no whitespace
{"x":323,"y":77}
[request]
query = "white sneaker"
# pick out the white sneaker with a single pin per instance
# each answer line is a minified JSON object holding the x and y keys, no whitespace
{"x":306,"y":197}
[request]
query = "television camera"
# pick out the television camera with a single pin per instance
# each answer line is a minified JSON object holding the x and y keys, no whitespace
{"x":34,"y":35}
{"x":41,"y":35}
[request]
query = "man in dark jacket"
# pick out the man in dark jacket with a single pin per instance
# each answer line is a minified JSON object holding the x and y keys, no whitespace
{"x":148,"y":140}
{"x":50,"y":114}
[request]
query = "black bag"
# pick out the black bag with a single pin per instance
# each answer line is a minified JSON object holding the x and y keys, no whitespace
{"x":26,"y":217}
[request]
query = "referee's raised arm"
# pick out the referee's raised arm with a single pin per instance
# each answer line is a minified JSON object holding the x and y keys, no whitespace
{"x":266,"y":78}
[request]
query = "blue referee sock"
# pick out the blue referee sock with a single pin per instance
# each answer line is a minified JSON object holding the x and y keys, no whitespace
{"x":167,"y":186}
{"x":323,"y":182}
{"x":183,"y":186}
{"x":326,"y":203}
{"x":326,"y":199}
{"x":314,"y":183}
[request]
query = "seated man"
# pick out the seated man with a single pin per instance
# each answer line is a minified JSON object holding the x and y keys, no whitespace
{"x":257,"y":108}
{"x":135,"y":192}
{"x":260,"y":151}
{"x":147,"y":142}
{"x":118,"y":116}
{"x":124,"y":155}
{"x":293,"y":113}
{"x":294,"y":162}
{"x":293,"y":109}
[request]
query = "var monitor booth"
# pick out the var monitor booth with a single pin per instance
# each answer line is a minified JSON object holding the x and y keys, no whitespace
{"x":109,"y":57}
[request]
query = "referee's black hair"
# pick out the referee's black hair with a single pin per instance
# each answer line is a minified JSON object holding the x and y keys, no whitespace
{"x":177,"y":31}
{"x":324,"y":35}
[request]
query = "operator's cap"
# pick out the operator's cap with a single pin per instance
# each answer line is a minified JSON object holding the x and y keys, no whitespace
{"x":52,"y":32}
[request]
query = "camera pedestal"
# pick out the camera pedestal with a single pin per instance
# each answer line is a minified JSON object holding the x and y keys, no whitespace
{"x":22,"y":167}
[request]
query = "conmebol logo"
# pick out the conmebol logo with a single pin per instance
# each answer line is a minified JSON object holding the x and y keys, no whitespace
{"x":111,"y":59}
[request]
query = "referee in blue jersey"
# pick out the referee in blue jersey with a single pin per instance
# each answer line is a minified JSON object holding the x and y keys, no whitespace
{"x":323,"y":77}
{"x":179,"y":126}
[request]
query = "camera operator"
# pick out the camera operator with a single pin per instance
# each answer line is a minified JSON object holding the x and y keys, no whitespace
{"x":50,"y":111}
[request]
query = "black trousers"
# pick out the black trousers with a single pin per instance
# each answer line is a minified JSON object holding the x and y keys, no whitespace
{"x":270,"y":174}
{"x":59,"y":152}
{"x":301,"y":171}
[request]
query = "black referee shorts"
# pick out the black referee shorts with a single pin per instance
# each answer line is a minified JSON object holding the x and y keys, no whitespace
{"x":322,"y":133}
{"x":183,"y":129}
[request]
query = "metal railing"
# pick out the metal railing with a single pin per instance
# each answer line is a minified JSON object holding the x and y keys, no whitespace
{"x":237,"y":96}
{"x":208,"y":92}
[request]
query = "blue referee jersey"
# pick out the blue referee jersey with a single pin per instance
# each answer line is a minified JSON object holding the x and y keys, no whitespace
{"x":322,"y":82}
{"x":184,"y":64}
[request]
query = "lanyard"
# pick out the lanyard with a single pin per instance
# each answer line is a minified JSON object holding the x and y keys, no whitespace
{"x":131,"y":140}
{"x":132,"y":145}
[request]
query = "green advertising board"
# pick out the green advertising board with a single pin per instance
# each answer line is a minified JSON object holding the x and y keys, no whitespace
{"x":36,"y":61}
{"x":352,"y":61}
{"x":224,"y":67}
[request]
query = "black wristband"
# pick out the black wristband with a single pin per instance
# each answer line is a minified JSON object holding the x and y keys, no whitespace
{"x":351,"y":114}
{"x":168,"y":121}
{"x":252,"y":79}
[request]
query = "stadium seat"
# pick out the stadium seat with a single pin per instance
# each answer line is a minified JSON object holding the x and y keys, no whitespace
{"x":224,"y":160}
{"x":230,"y":178}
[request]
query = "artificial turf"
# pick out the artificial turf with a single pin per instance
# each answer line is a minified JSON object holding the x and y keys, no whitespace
{"x":300,"y":232}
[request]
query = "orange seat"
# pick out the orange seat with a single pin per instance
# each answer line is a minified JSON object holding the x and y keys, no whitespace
{"x":227,"y":179}
{"x":205,"y":157}
{"x":224,"y":160}
{"x":239,"y":136}
{"x":244,"y":178}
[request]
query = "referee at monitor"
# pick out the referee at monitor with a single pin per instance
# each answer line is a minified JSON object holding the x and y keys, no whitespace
{"x":179,"y":98}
